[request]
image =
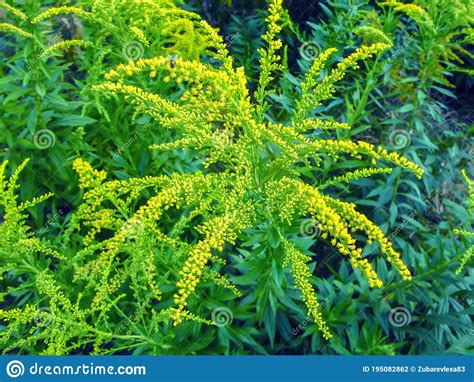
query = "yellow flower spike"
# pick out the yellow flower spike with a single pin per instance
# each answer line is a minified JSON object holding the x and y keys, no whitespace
{"x":315,"y":124}
{"x":6,"y":27}
{"x":301,"y":275}
{"x":64,"y":44}
{"x":139,"y":35}
{"x":217,"y":232}
{"x":414,"y":11}
{"x":469,"y":253}
{"x":269,"y":58}
{"x":64,"y":10}
{"x":354,"y":175}
{"x":88,"y":177}
{"x":355,"y":149}
{"x":313,"y":92}
{"x":368,"y":32}
{"x":13,"y":10}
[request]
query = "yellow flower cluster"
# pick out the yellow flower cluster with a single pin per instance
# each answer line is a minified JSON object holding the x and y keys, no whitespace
{"x":140,"y":35}
{"x":354,"y":175}
{"x":358,"y":221}
{"x":88,"y":176}
{"x":216,"y":42}
{"x":470,"y":206}
{"x":305,"y":104}
{"x":6,"y":27}
{"x":269,"y":58}
{"x":330,"y":223}
{"x":64,"y":44}
{"x":13,"y":10}
{"x":314,"y":124}
{"x":301,"y":275}
{"x":217,"y":232}
{"x":222,"y":280}
{"x":139,"y":96}
{"x":314,"y":92}
{"x":64,"y":10}
{"x":416,"y":12}
{"x":368,"y":32}
{"x":470,"y":191}
{"x":356,"y":149}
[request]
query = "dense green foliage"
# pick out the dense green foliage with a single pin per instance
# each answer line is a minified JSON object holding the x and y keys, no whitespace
{"x":179,"y":199}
